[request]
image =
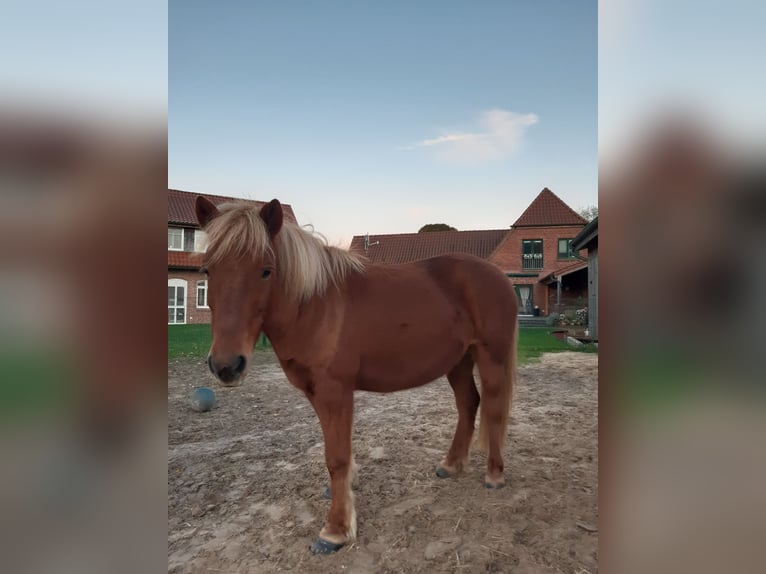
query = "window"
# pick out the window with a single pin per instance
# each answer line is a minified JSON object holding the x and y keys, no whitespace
{"x":186,"y":239}
{"x":175,"y":239}
{"x":565,"y":249}
{"x":176,"y":302}
{"x":202,"y":294}
{"x":532,"y":254}
{"x":200,"y":241}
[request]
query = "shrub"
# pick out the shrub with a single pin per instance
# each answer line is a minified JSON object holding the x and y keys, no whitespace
{"x":574,"y":318}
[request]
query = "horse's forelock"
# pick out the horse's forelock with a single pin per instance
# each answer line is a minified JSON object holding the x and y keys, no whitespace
{"x":306,"y":264}
{"x":238,"y":231}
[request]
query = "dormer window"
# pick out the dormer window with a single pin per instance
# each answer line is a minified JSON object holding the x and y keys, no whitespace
{"x":532,"y":254}
{"x":185,"y":239}
{"x":175,"y":239}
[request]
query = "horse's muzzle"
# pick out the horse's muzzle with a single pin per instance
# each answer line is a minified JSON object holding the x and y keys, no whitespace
{"x":230,"y":372}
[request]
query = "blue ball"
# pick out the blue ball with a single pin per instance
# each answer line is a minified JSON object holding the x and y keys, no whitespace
{"x":203,"y":399}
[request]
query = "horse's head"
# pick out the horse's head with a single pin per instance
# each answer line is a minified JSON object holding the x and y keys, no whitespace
{"x":240,"y":266}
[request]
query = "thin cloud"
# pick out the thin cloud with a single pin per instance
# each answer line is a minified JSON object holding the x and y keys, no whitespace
{"x":417,"y":212}
{"x":499,"y":135}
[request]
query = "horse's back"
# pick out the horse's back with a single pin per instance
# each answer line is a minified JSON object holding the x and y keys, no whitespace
{"x":411,"y":323}
{"x":456,"y":283}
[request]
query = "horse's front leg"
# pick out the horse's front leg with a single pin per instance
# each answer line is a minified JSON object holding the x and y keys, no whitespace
{"x":334,"y":406}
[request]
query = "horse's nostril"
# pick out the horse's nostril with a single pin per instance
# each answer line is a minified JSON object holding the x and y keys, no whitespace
{"x":240,"y":366}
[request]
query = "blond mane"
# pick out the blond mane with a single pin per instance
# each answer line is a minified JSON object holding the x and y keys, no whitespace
{"x":306,"y":265}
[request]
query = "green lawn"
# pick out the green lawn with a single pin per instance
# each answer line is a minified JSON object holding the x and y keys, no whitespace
{"x":534,"y":341}
{"x":188,"y":340}
{"x":194,"y":341}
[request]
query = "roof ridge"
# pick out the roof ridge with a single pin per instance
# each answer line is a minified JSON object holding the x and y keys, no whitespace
{"x":431,"y":233}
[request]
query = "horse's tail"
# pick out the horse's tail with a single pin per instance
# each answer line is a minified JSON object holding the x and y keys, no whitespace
{"x":506,"y":394}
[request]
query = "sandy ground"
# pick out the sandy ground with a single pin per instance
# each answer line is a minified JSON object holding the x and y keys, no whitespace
{"x":245,"y":480}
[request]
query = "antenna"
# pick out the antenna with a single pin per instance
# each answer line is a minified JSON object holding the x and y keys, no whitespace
{"x":367,"y":243}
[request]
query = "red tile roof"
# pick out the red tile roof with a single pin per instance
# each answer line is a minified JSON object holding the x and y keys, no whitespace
{"x":181,"y":206}
{"x":546,"y":210}
{"x":405,"y":247}
{"x":184,"y":260}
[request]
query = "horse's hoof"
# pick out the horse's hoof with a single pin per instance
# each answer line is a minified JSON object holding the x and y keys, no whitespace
{"x":321,"y":546}
{"x":442,"y":472}
{"x":327,"y":493}
{"x":493,"y":486}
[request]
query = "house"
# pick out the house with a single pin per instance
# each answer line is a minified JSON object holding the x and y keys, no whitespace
{"x":535,"y":253}
{"x":537,"y":257}
{"x":588,"y":239}
{"x":187,"y":286}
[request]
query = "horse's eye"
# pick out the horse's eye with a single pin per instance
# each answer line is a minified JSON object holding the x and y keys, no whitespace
{"x":266,"y":273}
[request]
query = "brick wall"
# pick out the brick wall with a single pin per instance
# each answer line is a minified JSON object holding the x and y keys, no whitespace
{"x":193,"y":314}
{"x":508,"y":257}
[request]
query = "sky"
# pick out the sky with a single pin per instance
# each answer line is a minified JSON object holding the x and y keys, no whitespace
{"x":97,"y":60}
{"x":380,"y":117}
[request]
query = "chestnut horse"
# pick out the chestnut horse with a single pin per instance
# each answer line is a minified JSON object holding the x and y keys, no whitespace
{"x":339,"y":324}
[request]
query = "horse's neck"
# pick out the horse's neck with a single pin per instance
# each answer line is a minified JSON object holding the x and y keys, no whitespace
{"x":288,"y":322}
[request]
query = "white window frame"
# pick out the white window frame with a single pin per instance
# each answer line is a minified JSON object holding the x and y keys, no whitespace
{"x":180,"y":231}
{"x":182,"y":283}
{"x":202,"y":285}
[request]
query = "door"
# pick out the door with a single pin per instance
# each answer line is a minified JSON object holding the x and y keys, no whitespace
{"x":524,"y":297}
{"x":176,"y":302}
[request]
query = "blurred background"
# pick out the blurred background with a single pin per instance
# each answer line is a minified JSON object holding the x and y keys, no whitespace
{"x":83,"y":179}
{"x":683,"y":214}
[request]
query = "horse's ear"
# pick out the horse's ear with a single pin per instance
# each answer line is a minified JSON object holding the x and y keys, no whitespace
{"x":271,"y":213}
{"x":205,"y":210}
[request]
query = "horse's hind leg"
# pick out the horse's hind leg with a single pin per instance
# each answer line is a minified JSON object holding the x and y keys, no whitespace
{"x":467,"y":400}
{"x":495,"y":401}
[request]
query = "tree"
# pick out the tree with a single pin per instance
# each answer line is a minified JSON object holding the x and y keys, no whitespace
{"x":589,"y":213}
{"x":436,"y":227}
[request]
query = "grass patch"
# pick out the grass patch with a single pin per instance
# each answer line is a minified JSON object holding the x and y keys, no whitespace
{"x":195,"y":340}
{"x":534,"y":341}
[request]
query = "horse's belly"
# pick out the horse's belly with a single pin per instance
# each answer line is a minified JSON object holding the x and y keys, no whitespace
{"x":385,"y":373}
{"x":391,"y":384}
